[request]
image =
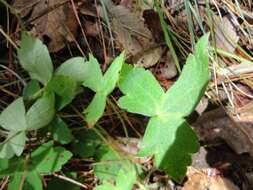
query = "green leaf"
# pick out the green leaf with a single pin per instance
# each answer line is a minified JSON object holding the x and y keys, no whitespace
{"x":16,"y":181}
{"x":61,"y":132}
{"x":10,"y":166}
{"x":17,"y":142}
{"x":168,"y":137}
{"x":30,"y":89}
{"x":95,"y":109}
{"x":85,"y":143}
{"x":42,"y":112}
{"x":15,"y":110}
{"x":126,"y":178}
{"x":65,"y":89}
{"x":102,"y":85}
{"x":32,"y":181}
{"x":75,"y":68}
{"x":6,"y":150}
{"x":48,"y":159}
{"x":106,"y":186}
{"x":143,"y":92}
{"x":4,"y":164}
{"x":108,"y":164}
{"x":111,"y":76}
{"x":35,"y":59}
{"x":94,"y":77}
{"x":201,"y":50}
{"x":190,"y":86}
{"x":125,"y":70}
{"x":14,"y":144}
{"x":114,"y":168}
{"x":165,"y":137}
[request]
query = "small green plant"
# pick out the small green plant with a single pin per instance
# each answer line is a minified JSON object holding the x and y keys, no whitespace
{"x":44,"y":160}
{"x":168,"y":136}
{"x":102,"y":85}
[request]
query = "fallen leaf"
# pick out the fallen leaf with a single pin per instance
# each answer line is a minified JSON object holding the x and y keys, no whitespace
{"x":153,"y":23}
{"x":25,"y":6}
{"x":132,"y":34}
{"x":129,"y":28}
{"x":91,"y":28}
{"x":225,"y":34}
{"x":169,"y":70}
{"x":53,"y":21}
{"x":207,"y":179}
{"x":149,"y":58}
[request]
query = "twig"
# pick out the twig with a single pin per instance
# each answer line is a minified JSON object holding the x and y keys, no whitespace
{"x":14,"y":73}
{"x":70,"y":180}
{"x":79,"y":22}
{"x":8,"y":38}
{"x":5,"y":181}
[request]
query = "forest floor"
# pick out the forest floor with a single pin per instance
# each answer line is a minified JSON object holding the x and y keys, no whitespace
{"x":223,"y":120}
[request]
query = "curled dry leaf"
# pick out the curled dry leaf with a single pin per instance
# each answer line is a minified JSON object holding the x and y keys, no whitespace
{"x":207,"y":179}
{"x":53,"y":21}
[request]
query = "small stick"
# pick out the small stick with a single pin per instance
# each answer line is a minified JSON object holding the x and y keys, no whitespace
{"x":70,"y":180}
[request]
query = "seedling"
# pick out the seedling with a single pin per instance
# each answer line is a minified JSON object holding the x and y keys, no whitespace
{"x":168,"y":136}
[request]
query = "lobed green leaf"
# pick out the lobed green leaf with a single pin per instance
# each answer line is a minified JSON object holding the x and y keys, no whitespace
{"x":172,"y":141}
{"x":48,"y":159}
{"x":190,"y":86}
{"x":168,"y":137}
{"x":102,"y":85}
{"x":114,"y":168}
{"x":95,"y":109}
{"x":65,"y":89}
{"x":61,"y":132}
{"x":32,"y":181}
{"x":142,"y":92}
{"x":94,"y":77}
{"x":111,"y":76}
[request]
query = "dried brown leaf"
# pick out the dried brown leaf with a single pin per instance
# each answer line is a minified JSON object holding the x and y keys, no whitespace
{"x":207,"y":179}
{"x":129,"y":28}
{"x":52,"y":20}
{"x":225,"y":34}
